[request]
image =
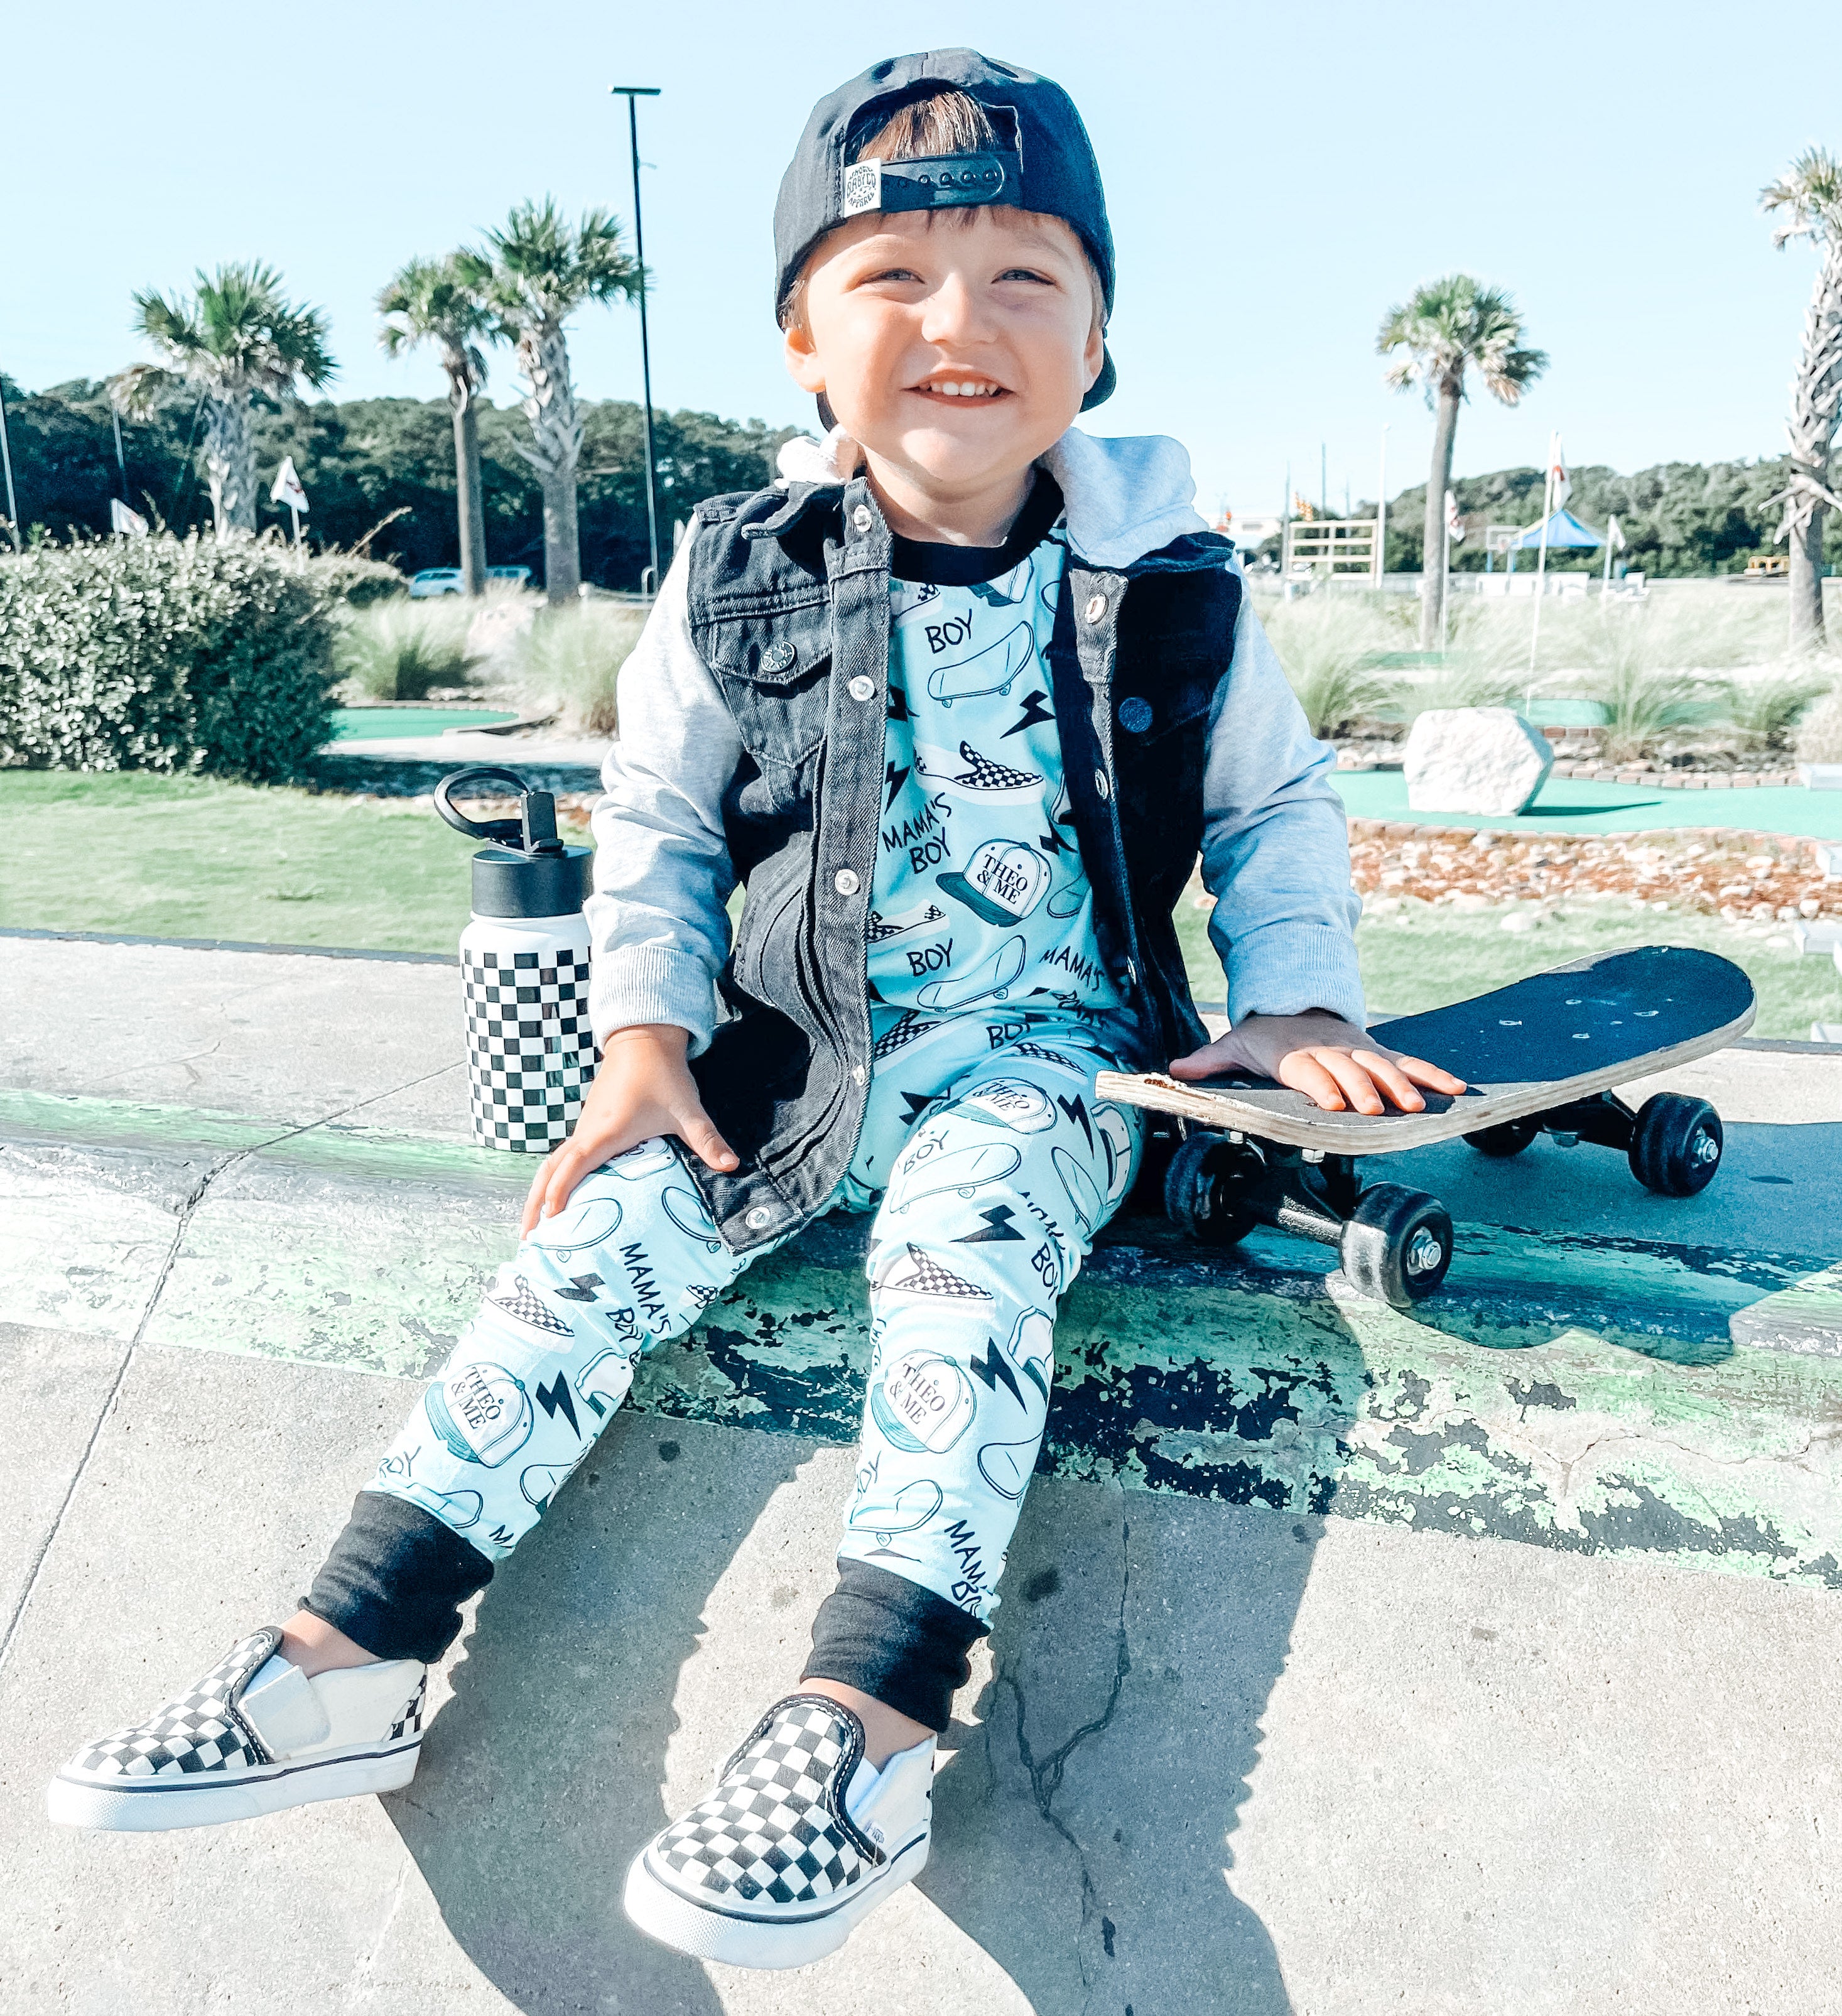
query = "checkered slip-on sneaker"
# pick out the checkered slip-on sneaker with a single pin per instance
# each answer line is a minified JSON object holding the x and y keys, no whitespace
{"x":254,"y":1735}
{"x":799,"y":1840}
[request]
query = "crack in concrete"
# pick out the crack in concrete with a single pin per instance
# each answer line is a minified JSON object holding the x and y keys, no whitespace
{"x":188,"y":1206}
{"x":360,"y":1980}
{"x":1045,"y":1776}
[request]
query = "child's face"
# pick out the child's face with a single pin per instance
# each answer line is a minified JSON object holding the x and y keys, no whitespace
{"x":993,"y":298}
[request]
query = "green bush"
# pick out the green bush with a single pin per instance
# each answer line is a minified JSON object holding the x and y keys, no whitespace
{"x":402,"y":650}
{"x":1324,"y":641}
{"x":358,"y":583}
{"x":163,"y":654}
{"x":1819,"y":734}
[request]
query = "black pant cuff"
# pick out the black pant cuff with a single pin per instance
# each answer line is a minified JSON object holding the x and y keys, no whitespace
{"x":895,"y":1641}
{"x":396,"y":1579}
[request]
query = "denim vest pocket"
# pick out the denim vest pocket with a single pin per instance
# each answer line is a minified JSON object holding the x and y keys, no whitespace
{"x":773,"y":662}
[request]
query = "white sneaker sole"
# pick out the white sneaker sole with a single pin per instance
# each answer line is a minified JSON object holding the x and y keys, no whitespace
{"x":152,"y":1806}
{"x":674,"y":1920}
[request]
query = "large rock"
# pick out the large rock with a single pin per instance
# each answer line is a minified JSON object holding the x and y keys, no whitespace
{"x":1475,"y":759}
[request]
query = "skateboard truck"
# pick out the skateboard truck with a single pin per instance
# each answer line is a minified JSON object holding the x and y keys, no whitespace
{"x":1394,"y":1243}
{"x":1673,"y":1142}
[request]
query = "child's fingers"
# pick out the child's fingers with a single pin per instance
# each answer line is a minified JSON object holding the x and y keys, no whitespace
{"x":694,"y":1130}
{"x":1355,"y":1081}
{"x":1305,"y":1071}
{"x":1389,"y":1079}
{"x":1431,"y":1076}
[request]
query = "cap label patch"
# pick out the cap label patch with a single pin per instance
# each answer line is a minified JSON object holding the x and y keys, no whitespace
{"x":863,"y":187}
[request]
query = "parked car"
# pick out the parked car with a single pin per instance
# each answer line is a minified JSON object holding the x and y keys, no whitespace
{"x":447,"y":581}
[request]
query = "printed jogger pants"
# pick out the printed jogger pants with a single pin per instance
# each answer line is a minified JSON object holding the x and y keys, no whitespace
{"x":996,"y":1166}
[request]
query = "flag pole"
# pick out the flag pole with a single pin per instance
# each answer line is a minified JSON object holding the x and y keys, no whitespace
{"x":1535,"y":635}
{"x":1381,"y":513}
{"x":632,"y":93}
{"x":1611,"y":526}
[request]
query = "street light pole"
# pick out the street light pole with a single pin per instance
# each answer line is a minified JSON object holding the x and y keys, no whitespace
{"x":13,"y":509}
{"x":630,"y":93}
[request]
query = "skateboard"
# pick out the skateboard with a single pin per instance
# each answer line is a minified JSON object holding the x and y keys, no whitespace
{"x":1541,"y":1057}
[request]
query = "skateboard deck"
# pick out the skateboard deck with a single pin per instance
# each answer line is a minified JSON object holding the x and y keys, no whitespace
{"x":1564,"y":1035}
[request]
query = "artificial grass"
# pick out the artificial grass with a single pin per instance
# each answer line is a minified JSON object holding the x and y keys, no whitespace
{"x":194,"y":857}
{"x":1579,"y":804}
{"x":197,"y":857}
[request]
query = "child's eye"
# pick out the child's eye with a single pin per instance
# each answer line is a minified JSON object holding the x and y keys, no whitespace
{"x":1026,"y":273}
{"x":890,"y":273}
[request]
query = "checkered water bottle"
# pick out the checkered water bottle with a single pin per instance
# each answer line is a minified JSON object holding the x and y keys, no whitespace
{"x":525,"y":970}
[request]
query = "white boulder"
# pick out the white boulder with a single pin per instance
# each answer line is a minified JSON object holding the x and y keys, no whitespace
{"x":1475,"y":759}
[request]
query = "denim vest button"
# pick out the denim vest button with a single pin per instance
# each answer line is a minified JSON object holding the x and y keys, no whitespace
{"x":846,"y":883}
{"x":760,"y":1216}
{"x":1096,"y":608}
{"x":1101,"y":786}
{"x":858,"y":1075}
{"x":777,"y":657}
{"x":861,"y":517}
{"x":863,"y":688}
{"x":1135,"y":714}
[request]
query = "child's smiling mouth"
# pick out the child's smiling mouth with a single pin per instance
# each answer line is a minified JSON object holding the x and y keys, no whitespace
{"x":962,"y":389}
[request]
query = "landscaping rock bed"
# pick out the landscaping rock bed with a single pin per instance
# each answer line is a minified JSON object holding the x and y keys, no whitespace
{"x":1759,"y":877}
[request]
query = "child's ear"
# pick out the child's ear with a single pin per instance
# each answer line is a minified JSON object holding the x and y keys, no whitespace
{"x":802,"y":359}
{"x":1094,"y":357}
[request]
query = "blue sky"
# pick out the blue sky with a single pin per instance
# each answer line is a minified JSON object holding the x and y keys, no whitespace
{"x":1278,"y":177}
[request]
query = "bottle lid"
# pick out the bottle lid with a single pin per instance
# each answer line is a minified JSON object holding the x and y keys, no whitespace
{"x":527,"y":871}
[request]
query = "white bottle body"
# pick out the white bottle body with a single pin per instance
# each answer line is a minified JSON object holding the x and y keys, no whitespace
{"x":530,"y":1053}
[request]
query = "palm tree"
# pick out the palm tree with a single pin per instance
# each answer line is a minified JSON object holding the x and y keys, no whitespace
{"x":236,"y":337}
{"x":544,"y":268}
{"x":1810,"y":194}
{"x":442,"y":301}
{"x":1445,"y":328}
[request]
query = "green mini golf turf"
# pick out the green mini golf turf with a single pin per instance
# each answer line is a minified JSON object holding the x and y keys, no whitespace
{"x":199,"y":857}
{"x":1572,"y":804}
{"x":397,"y":724}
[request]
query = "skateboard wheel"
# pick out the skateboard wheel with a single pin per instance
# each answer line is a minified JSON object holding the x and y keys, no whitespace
{"x":1675,"y":1144}
{"x":1200,"y":1188}
{"x":1500,"y":1143}
{"x":1397,"y":1245}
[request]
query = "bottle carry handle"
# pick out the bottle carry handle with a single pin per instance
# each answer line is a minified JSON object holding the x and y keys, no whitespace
{"x":534,"y":832}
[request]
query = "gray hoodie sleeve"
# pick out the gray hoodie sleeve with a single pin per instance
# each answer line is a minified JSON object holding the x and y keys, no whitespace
{"x":1276,"y":846}
{"x":663,"y":875}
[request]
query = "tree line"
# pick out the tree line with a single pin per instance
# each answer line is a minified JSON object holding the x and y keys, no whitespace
{"x":1456,"y":328}
{"x":388,"y":463}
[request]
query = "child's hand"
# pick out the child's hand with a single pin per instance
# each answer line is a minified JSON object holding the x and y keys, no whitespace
{"x":643,"y":1089}
{"x":1331,"y":1061}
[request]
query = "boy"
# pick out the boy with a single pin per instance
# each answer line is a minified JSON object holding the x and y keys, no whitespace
{"x":958,"y":702}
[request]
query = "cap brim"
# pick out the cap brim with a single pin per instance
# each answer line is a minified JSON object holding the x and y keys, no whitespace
{"x":1101,"y":387}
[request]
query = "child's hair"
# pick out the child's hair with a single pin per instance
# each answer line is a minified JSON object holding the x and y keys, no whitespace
{"x":946,"y":121}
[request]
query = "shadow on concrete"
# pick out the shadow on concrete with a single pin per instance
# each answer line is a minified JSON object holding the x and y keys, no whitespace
{"x":1083,"y":1833}
{"x":1082,"y":1828}
{"x":540,"y":1779}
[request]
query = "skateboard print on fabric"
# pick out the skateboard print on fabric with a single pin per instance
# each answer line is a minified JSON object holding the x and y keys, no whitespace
{"x":978,"y":899}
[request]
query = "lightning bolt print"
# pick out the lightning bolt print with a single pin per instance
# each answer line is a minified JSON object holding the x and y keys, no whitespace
{"x":556,"y":1399}
{"x":1034,"y":711}
{"x":896,"y":775}
{"x":582,"y":1288}
{"x":1078,"y":1113}
{"x":994,"y":1370}
{"x":998,"y":1226}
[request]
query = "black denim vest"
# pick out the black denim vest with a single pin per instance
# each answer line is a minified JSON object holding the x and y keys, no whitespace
{"x":789,"y":605}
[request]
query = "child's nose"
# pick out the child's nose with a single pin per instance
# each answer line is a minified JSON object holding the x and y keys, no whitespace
{"x":956,"y":313}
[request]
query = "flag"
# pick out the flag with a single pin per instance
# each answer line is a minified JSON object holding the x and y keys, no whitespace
{"x":1557,"y":473}
{"x":122,"y":519}
{"x":287,"y":487}
{"x":1614,"y":539}
{"x":1454,"y":525}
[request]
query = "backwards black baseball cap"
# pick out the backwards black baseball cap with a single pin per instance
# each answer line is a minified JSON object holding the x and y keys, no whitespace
{"x":1044,"y":161}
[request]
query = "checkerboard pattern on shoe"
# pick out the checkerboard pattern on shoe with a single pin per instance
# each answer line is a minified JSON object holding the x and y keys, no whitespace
{"x":197,"y":1731}
{"x":531,"y":1051}
{"x":775,"y":1829}
{"x":409,"y":1721}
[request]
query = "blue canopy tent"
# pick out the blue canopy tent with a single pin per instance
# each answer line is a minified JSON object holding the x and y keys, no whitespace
{"x":1563,"y":530}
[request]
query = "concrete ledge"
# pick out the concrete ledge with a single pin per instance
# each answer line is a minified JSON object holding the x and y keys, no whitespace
{"x":1597,"y":1394}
